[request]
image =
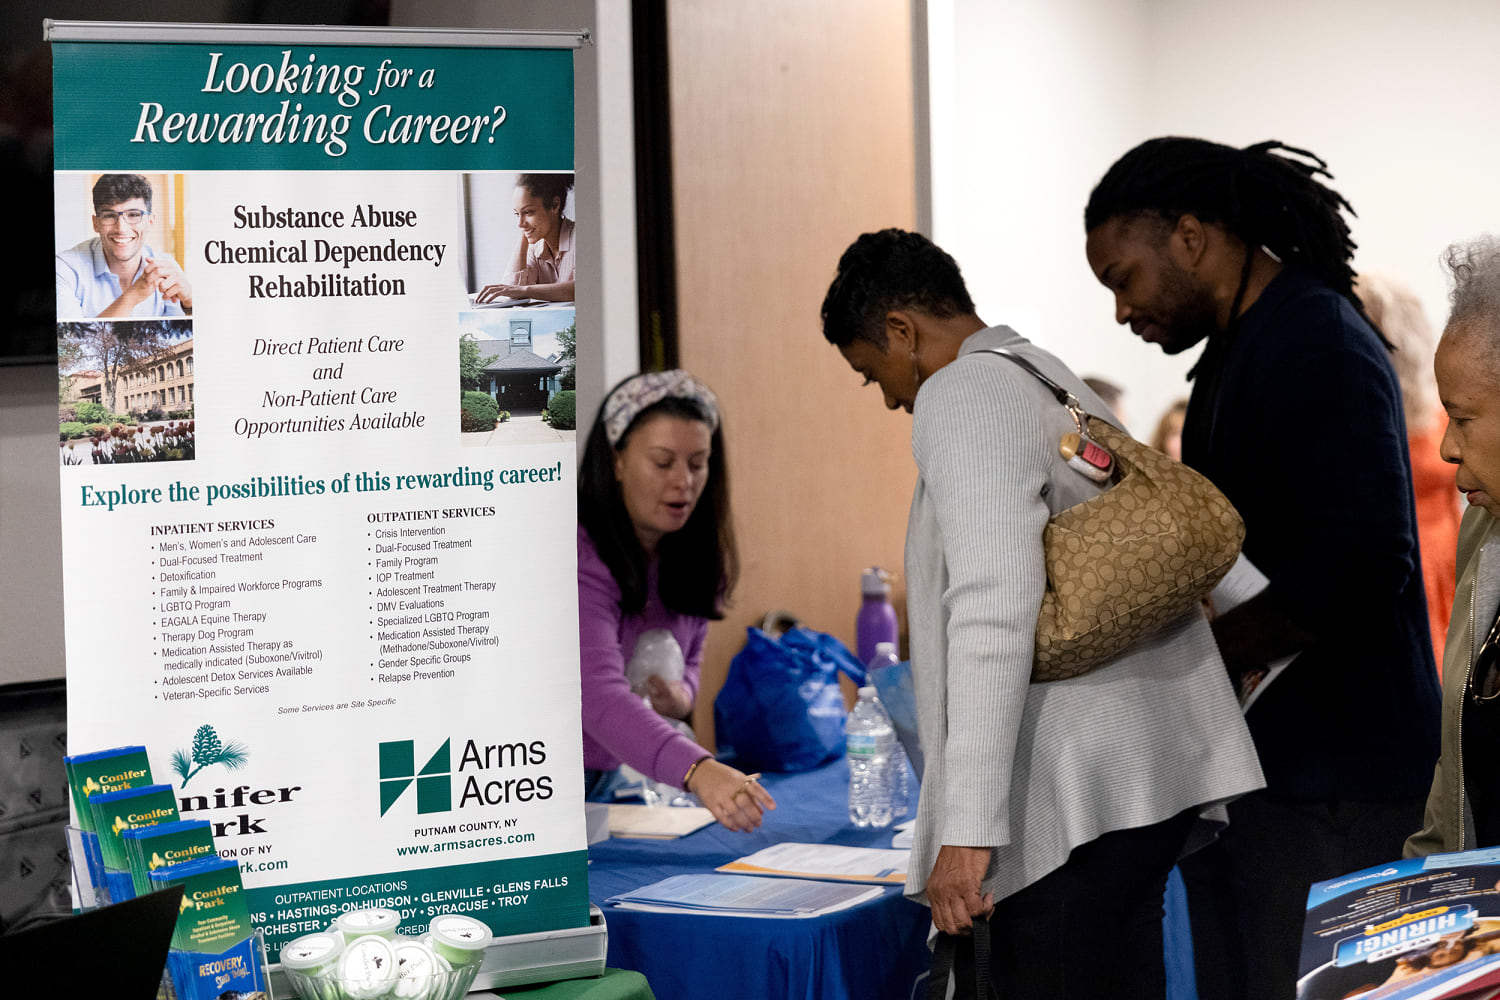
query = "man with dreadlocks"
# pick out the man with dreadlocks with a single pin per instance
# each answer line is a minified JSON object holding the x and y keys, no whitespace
{"x":1295,"y":414}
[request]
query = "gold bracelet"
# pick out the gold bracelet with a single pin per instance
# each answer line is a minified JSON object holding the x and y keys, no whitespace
{"x":689,"y":776}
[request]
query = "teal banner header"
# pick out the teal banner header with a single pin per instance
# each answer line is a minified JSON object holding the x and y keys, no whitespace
{"x":138,"y":107}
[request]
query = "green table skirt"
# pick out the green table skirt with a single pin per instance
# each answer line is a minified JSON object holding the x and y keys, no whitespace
{"x":614,"y":984}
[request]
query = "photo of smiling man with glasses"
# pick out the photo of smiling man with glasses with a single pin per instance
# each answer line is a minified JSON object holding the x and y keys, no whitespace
{"x":115,"y":274}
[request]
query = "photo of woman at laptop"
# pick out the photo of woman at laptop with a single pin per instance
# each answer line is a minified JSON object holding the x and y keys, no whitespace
{"x":543,"y":266}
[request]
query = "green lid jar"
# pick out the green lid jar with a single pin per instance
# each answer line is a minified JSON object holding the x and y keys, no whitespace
{"x":368,"y":968}
{"x":418,"y":973}
{"x":311,"y":954}
{"x":459,"y":939}
{"x":374,"y":920}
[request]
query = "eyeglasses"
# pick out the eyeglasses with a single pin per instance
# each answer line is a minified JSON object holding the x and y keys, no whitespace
{"x":130,"y":215}
{"x":1484,"y":679}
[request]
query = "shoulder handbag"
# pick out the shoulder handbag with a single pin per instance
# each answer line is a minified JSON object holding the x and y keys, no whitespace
{"x":1128,"y":561}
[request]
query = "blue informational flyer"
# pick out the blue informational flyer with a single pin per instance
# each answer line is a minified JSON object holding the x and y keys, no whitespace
{"x":745,"y":896}
{"x":1418,"y":929}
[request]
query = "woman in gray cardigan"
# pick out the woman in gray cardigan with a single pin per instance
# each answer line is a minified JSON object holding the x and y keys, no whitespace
{"x":1054,"y":811}
{"x":1463,"y":808}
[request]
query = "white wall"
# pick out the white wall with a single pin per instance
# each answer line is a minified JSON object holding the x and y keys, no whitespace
{"x":1031,"y":102}
{"x":1397,"y":97}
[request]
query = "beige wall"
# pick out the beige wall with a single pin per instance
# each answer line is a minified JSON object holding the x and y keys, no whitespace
{"x":792,"y":134}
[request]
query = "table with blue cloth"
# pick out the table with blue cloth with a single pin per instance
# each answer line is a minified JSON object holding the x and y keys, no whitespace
{"x":875,"y":950}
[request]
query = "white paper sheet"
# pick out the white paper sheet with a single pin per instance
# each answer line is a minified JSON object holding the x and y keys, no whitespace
{"x":826,"y":861}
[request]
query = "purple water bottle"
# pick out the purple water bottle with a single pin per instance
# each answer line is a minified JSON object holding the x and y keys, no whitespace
{"x":877,"y":619}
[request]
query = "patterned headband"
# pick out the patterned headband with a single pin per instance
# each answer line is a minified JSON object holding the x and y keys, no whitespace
{"x":649,"y":388}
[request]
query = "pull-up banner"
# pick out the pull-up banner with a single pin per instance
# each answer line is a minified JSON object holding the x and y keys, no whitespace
{"x":315,"y":322}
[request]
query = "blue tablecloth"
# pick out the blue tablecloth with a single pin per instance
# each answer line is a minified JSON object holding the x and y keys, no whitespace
{"x":875,"y":950}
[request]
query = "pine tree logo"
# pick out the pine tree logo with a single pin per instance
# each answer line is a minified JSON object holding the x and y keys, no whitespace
{"x":208,"y":749}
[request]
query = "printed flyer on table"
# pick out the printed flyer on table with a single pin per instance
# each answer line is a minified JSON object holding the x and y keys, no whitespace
{"x":316,"y":339}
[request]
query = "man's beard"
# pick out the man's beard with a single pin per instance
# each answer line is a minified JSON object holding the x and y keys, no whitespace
{"x":1187,"y":314}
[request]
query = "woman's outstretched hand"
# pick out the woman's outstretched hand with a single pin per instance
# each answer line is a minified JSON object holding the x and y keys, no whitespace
{"x":736,"y":799}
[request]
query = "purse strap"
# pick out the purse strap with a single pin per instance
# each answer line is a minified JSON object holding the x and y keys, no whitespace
{"x":1062,"y":394}
{"x":943,"y":954}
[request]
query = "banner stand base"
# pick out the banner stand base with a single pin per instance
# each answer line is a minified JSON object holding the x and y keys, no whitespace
{"x":523,"y":959}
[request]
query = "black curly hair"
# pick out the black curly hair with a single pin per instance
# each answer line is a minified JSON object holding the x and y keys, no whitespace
{"x":891,"y":269}
{"x":1268,"y":195}
{"x":548,"y":187}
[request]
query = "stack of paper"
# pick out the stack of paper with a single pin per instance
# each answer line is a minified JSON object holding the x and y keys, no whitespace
{"x":826,"y":861}
{"x":656,"y":822}
{"x":744,"y":896}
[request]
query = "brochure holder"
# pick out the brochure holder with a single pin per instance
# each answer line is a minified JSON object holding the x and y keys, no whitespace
{"x":88,"y":870}
{"x":91,"y":894}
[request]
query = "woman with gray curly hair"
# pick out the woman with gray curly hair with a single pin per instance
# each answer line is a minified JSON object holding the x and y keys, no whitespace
{"x":1463,"y":808}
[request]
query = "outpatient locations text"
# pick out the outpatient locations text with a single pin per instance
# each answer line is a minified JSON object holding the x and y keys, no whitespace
{"x":306,"y":910}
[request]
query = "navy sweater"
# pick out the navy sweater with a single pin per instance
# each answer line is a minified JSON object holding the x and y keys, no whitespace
{"x":1298,"y":420}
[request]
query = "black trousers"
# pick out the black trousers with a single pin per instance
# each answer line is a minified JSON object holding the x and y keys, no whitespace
{"x":1247,"y":892}
{"x":1091,"y":929}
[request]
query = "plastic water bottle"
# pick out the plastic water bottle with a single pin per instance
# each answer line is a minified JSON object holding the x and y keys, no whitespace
{"x":886,"y":656}
{"x":876,"y":622}
{"x":871,"y":742}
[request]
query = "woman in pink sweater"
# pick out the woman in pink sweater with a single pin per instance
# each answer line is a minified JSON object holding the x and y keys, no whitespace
{"x":655,"y":552}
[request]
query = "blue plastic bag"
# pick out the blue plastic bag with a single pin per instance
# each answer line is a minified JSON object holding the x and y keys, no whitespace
{"x":899,"y":696}
{"x":780,"y":708}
